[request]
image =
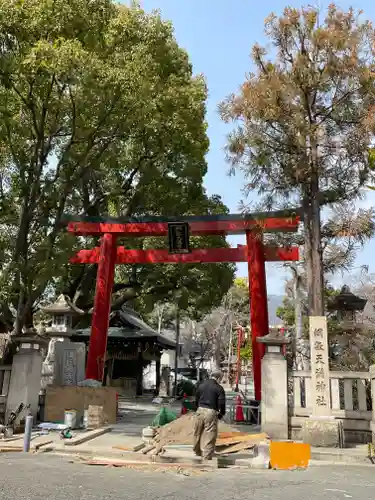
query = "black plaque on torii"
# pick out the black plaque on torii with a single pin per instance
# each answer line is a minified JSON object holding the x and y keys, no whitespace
{"x":179,"y":237}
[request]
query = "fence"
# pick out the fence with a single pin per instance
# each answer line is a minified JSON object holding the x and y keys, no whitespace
{"x":5,"y":372}
{"x":351,"y":402}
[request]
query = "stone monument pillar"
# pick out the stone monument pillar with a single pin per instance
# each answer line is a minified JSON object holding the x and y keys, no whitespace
{"x":321,"y":429}
{"x":274,"y":403}
{"x":25,"y":378}
{"x":65,"y":360}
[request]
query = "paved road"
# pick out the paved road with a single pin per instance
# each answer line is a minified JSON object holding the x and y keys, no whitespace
{"x":45,"y":476}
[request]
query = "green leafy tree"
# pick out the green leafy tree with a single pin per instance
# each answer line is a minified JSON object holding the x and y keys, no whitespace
{"x":100,"y":114}
{"x":305,"y":120}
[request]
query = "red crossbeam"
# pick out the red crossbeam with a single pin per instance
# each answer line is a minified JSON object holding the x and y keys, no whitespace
{"x":201,"y":255}
{"x":198,"y":228}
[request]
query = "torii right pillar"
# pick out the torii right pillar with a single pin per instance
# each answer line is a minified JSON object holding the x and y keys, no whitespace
{"x":258,"y":303}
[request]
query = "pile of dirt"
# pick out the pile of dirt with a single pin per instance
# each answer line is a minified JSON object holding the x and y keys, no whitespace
{"x":180,"y":431}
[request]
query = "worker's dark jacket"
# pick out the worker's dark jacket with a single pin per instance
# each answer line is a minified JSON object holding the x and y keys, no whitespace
{"x":211,"y":395}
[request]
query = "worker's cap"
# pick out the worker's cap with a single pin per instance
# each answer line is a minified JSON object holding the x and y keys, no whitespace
{"x":216,"y":374}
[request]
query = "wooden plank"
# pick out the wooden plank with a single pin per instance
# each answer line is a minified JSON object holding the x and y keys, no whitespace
{"x":247,"y":442}
{"x":38,"y":446}
{"x":227,"y":435}
{"x":149,"y":448}
{"x":335,"y":394}
{"x":124,"y":448}
{"x":241,"y":439}
{"x":362,"y":395}
{"x":348,"y":394}
{"x":7,"y":449}
{"x":237,"y":447}
{"x":139,"y":447}
{"x":297,"y":392}
{"x":87,"y":436}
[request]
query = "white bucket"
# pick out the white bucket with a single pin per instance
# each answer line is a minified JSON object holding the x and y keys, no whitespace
{"x":70,"y":418}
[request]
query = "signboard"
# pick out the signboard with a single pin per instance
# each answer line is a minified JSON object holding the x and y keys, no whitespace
{"x":178,"y":236}
{"x":320,"y":366}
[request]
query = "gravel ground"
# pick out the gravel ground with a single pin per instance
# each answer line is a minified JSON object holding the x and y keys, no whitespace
{"x":30,"y":477}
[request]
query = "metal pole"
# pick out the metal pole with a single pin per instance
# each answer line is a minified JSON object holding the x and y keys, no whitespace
{"x":28,"y":429}
{"x":177,"y":348}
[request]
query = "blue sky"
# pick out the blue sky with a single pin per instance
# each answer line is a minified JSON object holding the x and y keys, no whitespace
{"x":218,"y":35}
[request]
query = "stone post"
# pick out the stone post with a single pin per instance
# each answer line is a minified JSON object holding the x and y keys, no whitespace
{"x":26,"y":376}
{"x":274,"y":402}
{"x":372,"y":378}
{"x":321,"y":429}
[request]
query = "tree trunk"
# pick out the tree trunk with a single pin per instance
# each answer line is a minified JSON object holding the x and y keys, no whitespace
{"x":313,"y":248}
{"x":297,"y":341}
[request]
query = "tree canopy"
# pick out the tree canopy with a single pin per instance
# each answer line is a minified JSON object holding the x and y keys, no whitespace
{"x":100,"y":114}
{"x":305,"y":120}
{"x":216,"y":329}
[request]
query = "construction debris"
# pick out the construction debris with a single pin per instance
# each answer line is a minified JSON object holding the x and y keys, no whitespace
{"x":180,"y":431}
{"x":240,"y":443}
{"x":8,"y":449}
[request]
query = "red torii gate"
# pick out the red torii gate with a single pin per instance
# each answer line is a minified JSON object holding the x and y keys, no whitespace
{"x":255,"y":253}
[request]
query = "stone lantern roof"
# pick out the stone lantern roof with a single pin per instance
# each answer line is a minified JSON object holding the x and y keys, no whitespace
{"x":62,"y":305}
{"x":62,"y":312}
{"x":347,"y":301}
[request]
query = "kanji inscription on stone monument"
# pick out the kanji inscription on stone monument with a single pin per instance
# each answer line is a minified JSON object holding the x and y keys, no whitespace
{"x":69,"y":367}
{"x":319,"y":366}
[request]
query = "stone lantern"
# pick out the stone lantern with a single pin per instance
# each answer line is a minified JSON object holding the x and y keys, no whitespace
{"x":274,"y":404}
{"x":62,"y":311}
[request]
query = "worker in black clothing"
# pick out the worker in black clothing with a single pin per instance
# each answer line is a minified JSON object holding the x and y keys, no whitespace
{"x":210,"y":402}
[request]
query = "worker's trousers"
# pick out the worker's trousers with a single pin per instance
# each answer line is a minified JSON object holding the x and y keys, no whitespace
{"x":205,"y":432}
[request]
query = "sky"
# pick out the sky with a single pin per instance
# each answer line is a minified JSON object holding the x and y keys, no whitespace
{"x":218,"y":36}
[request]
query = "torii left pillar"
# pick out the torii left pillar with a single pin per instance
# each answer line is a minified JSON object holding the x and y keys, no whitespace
{"x":258,"y":303}
{"x":102,"y":308}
